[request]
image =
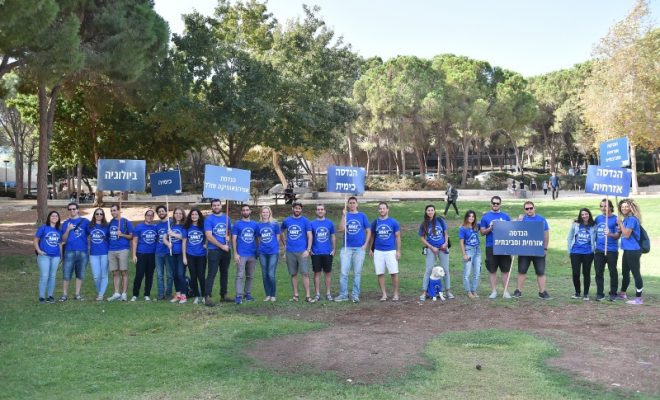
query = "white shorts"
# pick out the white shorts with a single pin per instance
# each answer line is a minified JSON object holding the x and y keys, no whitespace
{"x":386,"y":259}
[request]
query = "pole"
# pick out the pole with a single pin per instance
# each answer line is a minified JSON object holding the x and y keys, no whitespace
{"x":345,"y":222}
{"x":506,"y":286}
{"x":167,"y":208}
{"x":607,"y":217}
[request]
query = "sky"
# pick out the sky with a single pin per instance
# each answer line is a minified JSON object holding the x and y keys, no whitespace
{"x":531,"y":37}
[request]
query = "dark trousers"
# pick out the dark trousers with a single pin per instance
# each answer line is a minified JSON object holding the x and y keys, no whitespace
{"x":218,"y":259}
{"x":146,"y":264}
{"x":582,"y":263}
{"x":452,"y":203}
{"x":600,"y":259}
{"x":197,"y":267}
{"x":555,"y":192}
{"x":630,"y":263}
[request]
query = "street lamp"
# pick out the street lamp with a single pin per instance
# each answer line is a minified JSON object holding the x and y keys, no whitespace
{"x":6,"y":163}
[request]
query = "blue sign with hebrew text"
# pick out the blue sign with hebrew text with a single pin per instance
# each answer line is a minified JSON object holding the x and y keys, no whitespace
{"x":165,"y":183}
{"x":522,"y":238}
{"x":226,"y":183}
{"x":608,"y":180}
{"x":614,"y":153}
{"x":348,"y":180}
{"x":122,"y":175}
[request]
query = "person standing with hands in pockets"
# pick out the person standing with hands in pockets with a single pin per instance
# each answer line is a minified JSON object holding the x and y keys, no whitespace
{"x":386,"y":249}
{"x":468,"y":236}
{"x":357,"y":235}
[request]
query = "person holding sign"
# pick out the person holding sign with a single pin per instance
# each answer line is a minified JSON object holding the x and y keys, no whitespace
{"x":386,"y":249}
{"x":121,"y":234}
{"x":296,"y":238}
{"x":244,"y":239}
{"x":74,"y":237}
{"x":539,"y":262}
{"x":269,"y":251}
{"x":503,"y":262}
{"x":322,"y":248}
{"x":468,"y":236}
{"x":48,"y":247}
{"x":581,"y":247}
{"x":357,"y":237}
{"x":433,"y":234}
{"x":145,"y":240}
{"x":607,"y":250}
{"x":217,"y":228}
{"x":174,"y":242}
{"x":162,"y":254}
{"x":629,"y":225}
{"x":194,"y":252}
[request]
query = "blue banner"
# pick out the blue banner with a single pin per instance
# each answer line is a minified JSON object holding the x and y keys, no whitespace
{"x":608,"y":181}
{"x":122,"y":175}
{"x":165,"y":183}
{"x":346,"y":179}
{"x":522,"y":238}
{"x":614,"y":153}
{"x":226,"y":183}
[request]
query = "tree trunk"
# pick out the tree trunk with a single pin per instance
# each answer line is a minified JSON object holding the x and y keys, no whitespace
{"x":349,"y":140}
{"x":278,"y":169}
{"x":633,"y":166}
{"x":403,"y":161}
{"x":18,"y":169}
{"x":466,"y":146}
{"x":29,"y":171}
{"x":79,"y":179}
{"x":47,"y":105}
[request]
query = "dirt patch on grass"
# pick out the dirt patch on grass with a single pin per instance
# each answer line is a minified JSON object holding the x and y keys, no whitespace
{"x":611,"y":344}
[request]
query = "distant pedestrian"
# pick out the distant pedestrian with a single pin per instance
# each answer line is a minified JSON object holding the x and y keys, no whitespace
{"x":545,"y":187}
{"x":452,"y":196}
{"x":532,"y":186}
{"x":554,"y":183}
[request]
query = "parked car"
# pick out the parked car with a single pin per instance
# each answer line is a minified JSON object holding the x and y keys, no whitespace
{"x":483,"y":177}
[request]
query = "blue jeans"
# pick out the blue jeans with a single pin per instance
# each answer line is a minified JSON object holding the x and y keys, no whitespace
{"x":47,"y":272}
{"x":431,"y":258}
{"x":178,"y":270}
{"x":268,"y":272}
{"x":473,"y":266}
{"x":350,"y":256}
{"x":74,"y":260}
{"x":161,"y":262}
{"x":99,"y":266}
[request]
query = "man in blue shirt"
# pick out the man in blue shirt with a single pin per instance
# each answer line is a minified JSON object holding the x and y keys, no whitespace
{"x":74,"y":237}
{"x":607,"y":232}
{"x":357,"y":235}
{"x":296,"y":237}
{"x":386,"y":249}
{"x":162,"y":253}
{"x":493,"y":261}
{"x":217,"y":228}
{"x":120,"y":236}
{"x":244,"y":240}
{"x":322,"y":248}
{"x":554,"y":184}
{"x":539,"y":261}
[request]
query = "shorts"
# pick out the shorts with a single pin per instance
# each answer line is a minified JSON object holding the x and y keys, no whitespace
{"x":296,"y":263}
{"x":493,"y":261}
{"x":386,"y":260}
{"x":539,"y":264}
{"x":322,"y":262}
{"x":74,"y":261}
{"x":118,"y":260}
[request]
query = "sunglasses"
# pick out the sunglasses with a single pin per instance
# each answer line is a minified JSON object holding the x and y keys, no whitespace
{"x":99,"y":213}
{"x":495,"y":204}
{"x":72,"y":209}
{"x":529,"y":208}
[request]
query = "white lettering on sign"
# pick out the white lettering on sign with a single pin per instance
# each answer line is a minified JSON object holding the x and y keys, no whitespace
{"x":123,"y":175}
{"x":230,"y":188}
{"x":164,"y":182}
{"x":345,"y":186}
{"x":609,"y":173}
{"x":518,"y":242}
{"x":346,"y":172}
{"x":615,"y":189}
{"x":518,"y":233}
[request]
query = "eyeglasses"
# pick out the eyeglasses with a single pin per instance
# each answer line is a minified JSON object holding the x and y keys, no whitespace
{"x":529,"y":208}
{"x":72,"y":209}
{"x":495,"y":204}
{"x":99,"y":213}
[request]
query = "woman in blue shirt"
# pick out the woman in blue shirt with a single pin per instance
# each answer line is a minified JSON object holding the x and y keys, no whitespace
{"x":269,"y":251}
{"x":48,"y":246}
{"x":145,"y":240}
{"x":98,"y":251}
{"x":174,"y":241}
{"x":194,"y":252}
{"x":433,"y":234}
{"x":629,"y":224}
{"x":468,"y":236}
{"x":581,"y":246}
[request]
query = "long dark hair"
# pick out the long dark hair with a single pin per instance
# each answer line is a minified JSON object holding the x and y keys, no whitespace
{"x":104,"y":222}
{"x":429,"y":221}
{"x":466,"y":222}
{"x":578,"y":220}
{"x":189,"y":221}
{"x":59,"y":219}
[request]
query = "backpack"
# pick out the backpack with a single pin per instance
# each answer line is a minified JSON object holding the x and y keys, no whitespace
{"x":643,"y":240}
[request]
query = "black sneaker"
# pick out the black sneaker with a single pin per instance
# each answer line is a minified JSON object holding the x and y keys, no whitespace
{"x":42,"y":300}
{"x":613,"y":297}
{"x":50,"y":299}
{"x":64,"y":298}
{"x":576,"y":296}
{"x":545,"y":295}
{"x":600,"y":297}
{"x":517,"y":294}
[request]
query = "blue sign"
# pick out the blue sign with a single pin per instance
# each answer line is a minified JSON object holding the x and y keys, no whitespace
{"x":226,"y":183}
{"x":614,"y":153}
{"x":122,"y":175}
{"x":165,"y":183}
{"x":522,"y":238}
{"x":346,"y":179}
{"x":608,"y":181}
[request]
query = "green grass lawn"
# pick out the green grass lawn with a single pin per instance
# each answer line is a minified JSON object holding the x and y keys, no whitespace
{"x":159,"y":350}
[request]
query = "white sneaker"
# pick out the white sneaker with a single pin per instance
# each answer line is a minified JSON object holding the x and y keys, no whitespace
{"x":124,"y":297}
{"x":506,"y":295}
{"x":183,"y":300}
{"x":449,"y":295}
{"x":203,"y":300}
{"x":493,"y":294}
{"x":99,"y":297}
{"x":147,"y":298}
{"x":196,"y":300}
{"x":114,"y":297}
{"x":134,"y":298}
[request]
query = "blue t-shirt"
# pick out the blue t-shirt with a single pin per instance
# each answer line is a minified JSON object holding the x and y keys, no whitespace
{"x":322,"y":231}
{"x":582,"y":240}
{"x":537,"y":218}
{"x":77,"y":239}
{"x":116,"y":242}
{"x":487,"y":219}
{"x":219,"y":225}
{"x":436,"y":239}
{"x":554,"y":181}
{"x":296,"y":233}
{"x":177,"y":244}
{"x":161,"y":228}
{"x":98,"y":239}
{"x":470,"y":236}
{"x":195,"y":241}
{"x":612,"y":244}
{"x":268,"y":232}
{"x":356,"y":225}
{"x":147,"y":237}
{"x":246,"y":233}
{"x":385,"y":233}
{"x":49,"y":240}
{"x":631,"y":243}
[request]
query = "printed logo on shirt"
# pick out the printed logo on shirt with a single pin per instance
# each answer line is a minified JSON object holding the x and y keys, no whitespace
{"x":353,"y":227}
{"x":220,"y":229}
{"x":78,"y":232}
{"x":52,"y":239}
{"x":294,"y":232}
{"x":583,"y":237}
{"x":247,"y":235}
{"x":114,"y":232}
{"x":161,"y":234}
{"x":178,"y":232}
{"x":384,"y":232}
{"x":322,"y":234}
{"x":473,"y":240}
{"x":438,"y":236}
{"x":195,"y":237}
{"x":149,"y":237}
{"x":267,"y":234}
{"x":97,"y":235}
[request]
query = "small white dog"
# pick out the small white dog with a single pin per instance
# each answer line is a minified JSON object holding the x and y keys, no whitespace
{"x":435,"y":283}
